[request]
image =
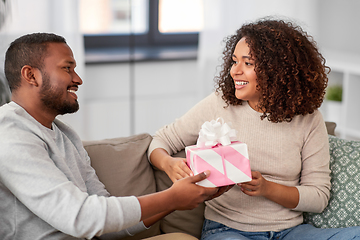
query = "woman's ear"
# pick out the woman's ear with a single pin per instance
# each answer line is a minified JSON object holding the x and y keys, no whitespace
{"x":29,"y":74}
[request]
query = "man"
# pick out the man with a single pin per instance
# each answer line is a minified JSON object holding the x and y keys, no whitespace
{"x":48,"y":190}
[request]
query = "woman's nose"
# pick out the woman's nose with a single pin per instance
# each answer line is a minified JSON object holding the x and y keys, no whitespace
{"x":237,"y":69}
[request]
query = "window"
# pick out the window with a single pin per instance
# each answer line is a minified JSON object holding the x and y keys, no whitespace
{"x":183,"y":16}
{"x":99,"y":17}
{"x":141,"y":28}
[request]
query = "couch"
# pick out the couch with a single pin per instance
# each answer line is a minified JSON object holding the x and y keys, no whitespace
{"x":122,"y":165}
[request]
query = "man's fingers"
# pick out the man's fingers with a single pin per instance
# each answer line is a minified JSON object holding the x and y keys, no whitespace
{"x":230,"y":187}
{"x":220,"y":191}
{"x":201,"y":176}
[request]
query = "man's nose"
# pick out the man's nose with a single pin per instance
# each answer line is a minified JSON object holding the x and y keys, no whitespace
{"x":77,"y":79}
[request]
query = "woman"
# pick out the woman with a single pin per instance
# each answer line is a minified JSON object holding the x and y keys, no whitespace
{"x":272,"y":82}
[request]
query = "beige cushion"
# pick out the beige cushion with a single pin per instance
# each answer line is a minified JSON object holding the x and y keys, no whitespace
{"x":173,"y":236}
{"x":189,"y":221}
{"x":122,"y":165}
{"x":330,"y":126}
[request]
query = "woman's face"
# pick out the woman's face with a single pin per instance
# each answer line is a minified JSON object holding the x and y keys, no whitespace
{"x":243,"y":74}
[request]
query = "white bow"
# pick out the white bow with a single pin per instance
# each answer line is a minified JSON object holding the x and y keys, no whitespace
{"x":215,"y":132}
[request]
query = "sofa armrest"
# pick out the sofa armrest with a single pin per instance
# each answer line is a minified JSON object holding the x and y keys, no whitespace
{"x":330,"y":127}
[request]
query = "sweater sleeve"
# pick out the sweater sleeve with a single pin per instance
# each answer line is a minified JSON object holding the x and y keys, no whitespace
{"x":185,"y":130}
{"x":314,"y":186}
{"x":27,"y":170}
{"x":131,"y":231}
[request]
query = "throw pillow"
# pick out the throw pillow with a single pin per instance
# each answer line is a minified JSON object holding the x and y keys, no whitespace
{"x":122,"y":165}
{"x":343,"y":209}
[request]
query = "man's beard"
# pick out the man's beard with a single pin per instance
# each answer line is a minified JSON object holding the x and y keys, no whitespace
{"x":51,"y":98}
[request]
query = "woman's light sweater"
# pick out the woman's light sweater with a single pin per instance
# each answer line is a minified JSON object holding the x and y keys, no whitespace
{"x":292,"y":153}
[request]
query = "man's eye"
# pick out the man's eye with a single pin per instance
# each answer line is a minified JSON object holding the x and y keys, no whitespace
{"x":67,"y":69}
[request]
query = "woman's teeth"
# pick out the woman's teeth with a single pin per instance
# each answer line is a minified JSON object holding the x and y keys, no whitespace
{"x":241,"y":83}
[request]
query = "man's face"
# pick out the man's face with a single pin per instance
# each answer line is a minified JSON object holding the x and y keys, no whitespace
{"x":59,"y":80}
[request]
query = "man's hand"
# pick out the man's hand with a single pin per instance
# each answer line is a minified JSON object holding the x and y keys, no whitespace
{"x":184,"y":194}
{"x":221,"y":190}
{"x":188,"y":195}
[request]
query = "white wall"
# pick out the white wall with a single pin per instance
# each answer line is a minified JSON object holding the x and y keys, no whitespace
{"x":163,"y":91}
{"x":338,"y":25}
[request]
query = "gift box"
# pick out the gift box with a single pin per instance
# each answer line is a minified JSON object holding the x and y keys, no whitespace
{"x":216,"y":150}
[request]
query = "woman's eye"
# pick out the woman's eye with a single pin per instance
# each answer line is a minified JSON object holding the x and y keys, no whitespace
{"x":248,"y":64}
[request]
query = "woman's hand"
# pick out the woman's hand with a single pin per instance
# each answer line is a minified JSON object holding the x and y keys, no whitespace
{"x":278,"y":193}
{"x":177,"y":169}
{"x":256,"y":187}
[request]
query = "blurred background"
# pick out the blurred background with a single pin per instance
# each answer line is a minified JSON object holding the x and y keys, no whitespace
{"x":145,"y":63}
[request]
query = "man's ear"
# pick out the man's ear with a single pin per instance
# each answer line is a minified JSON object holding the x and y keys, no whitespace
{"x":30,"y":75}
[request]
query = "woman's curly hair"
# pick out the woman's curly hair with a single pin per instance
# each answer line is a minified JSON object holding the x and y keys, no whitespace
{"x":291,"y":72}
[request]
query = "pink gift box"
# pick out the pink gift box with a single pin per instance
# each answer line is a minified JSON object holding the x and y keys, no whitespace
{"x":228,"y":164}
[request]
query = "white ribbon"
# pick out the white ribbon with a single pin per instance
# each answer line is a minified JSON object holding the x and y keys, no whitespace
{"x":215,"y":132}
